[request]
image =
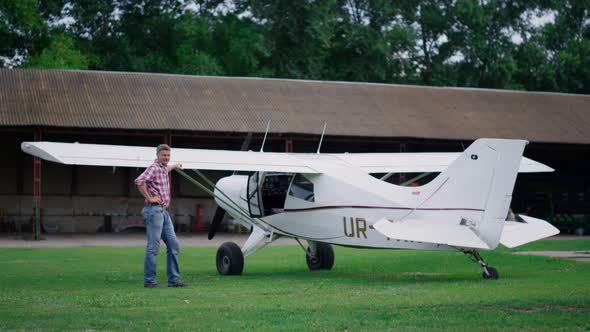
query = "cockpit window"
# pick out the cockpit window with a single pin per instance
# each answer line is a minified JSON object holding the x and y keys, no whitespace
{"x":274,"y":192}
{"x":302,"y":188}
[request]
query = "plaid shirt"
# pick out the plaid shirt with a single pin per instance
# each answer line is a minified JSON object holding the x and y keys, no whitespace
{"x":157,"y":181}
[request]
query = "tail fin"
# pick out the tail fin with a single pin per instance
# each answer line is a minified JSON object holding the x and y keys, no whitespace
{"x":474,"y":193}
{"x":481,"y":178}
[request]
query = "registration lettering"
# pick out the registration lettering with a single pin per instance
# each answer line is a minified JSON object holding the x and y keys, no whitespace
{"x":354,"y":227}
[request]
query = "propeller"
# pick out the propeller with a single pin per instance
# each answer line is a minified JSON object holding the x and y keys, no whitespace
{"x":220,"y":213}
{"x":217,"y":218}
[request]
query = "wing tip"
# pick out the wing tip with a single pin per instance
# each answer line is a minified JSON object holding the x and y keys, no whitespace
{"x":35,"y":150}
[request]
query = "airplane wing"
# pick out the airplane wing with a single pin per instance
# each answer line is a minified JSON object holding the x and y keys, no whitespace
{"x":139,"y":156}
{"x":420,"y":162}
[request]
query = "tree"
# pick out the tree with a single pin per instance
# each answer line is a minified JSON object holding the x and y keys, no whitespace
{"x":481,"y":35}
{"x":149,"y":28}
{"x":535,"y":71}
{"x":573,"y":73}
{"x":567,"y":41}
{"x":240,"y":46}
{"x":22,"y":30}
{"x":358,"y":53}
{"x":431,"y":21}
{"x":61,"y":54}
{"x":298,"y":34}
{"x":368,"y":44}
{"x":95,"y":24}
{"x":193,"y":50}
{"x":431,"y":42}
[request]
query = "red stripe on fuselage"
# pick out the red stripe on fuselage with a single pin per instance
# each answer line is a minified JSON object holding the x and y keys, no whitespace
{"x":379,"y":207}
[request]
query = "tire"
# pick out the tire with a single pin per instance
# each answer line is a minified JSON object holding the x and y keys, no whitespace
{"x":313,"y":263}
{"x":230,"y":259}
{"x":493,"y":274}
{"x":324,"y":259}
{"x":327,"y":256}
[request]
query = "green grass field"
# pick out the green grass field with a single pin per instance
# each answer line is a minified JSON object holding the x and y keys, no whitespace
{"x":102,"y":289}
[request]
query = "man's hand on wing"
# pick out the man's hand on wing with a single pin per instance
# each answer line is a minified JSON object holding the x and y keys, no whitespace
{"x":174,"y":166}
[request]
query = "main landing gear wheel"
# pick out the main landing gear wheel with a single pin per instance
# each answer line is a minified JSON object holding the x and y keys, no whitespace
{"x":230,"y":259}
{"x":489,"y":273}
{"x":492,"y":273}
{"x":324,"y":258}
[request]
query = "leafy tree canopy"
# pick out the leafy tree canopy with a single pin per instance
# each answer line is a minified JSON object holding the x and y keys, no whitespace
{"x":476,"y":43}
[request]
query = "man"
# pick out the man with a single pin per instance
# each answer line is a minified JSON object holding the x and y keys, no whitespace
{"x":154,"y":186}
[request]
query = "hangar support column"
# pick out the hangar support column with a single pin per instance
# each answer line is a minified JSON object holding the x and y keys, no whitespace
{"x":168,"y":139}
{"x":37,"y":136}
{"x":288,"y":145}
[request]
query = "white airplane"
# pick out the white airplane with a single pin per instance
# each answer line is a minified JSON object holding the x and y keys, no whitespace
{"x":333,"y":198}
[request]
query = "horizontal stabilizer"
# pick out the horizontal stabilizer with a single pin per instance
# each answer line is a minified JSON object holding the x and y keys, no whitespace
{"x":447,"y":233}
{"x":516,"y":234}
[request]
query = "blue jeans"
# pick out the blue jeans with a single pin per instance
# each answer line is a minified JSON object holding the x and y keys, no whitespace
{"x":159,"y":226}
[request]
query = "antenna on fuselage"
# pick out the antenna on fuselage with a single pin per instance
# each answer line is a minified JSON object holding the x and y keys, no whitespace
{"x":321,"y":138}
{"x":265,"y":134}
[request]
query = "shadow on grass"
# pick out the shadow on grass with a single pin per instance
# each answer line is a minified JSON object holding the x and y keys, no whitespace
{"x":407,"y":268}
{"x":344,"y":277}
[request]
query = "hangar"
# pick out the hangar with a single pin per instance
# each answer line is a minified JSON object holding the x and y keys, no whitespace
{"x":219,"y":112}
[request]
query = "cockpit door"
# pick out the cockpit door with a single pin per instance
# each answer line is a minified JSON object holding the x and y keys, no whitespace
{"x":254,"y":200}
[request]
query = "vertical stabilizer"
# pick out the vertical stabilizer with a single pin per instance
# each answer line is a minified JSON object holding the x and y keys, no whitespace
{"x":466,"y":205}
{"x":482,"y":178}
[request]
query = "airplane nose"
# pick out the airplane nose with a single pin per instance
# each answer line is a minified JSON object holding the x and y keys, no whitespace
{"x":229,"y":188}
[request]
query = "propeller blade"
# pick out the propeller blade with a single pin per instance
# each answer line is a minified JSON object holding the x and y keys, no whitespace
{"x":219,"y":214}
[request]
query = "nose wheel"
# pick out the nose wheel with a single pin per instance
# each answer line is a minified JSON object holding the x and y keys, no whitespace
{"x":230,"y":259}
{"x":489,"y":272}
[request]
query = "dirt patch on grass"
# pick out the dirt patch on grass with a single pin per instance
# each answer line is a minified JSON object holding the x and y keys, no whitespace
{"x":423,"y":274}
{"x":530,"y":310}
{"x":572,"y":308}
{"x":535,"y":309}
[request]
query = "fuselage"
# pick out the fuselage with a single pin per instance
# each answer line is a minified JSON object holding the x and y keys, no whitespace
{"x":338,"y":209}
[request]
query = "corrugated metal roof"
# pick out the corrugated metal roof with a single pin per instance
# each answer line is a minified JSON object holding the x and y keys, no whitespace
{"x":90,"y":99}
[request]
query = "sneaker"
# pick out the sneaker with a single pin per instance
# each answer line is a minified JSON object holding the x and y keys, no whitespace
{"x":178,"y":284}
{"x":152,"y":286}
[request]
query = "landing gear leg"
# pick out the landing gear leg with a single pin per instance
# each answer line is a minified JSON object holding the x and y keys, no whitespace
{"x":488,"y":271}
